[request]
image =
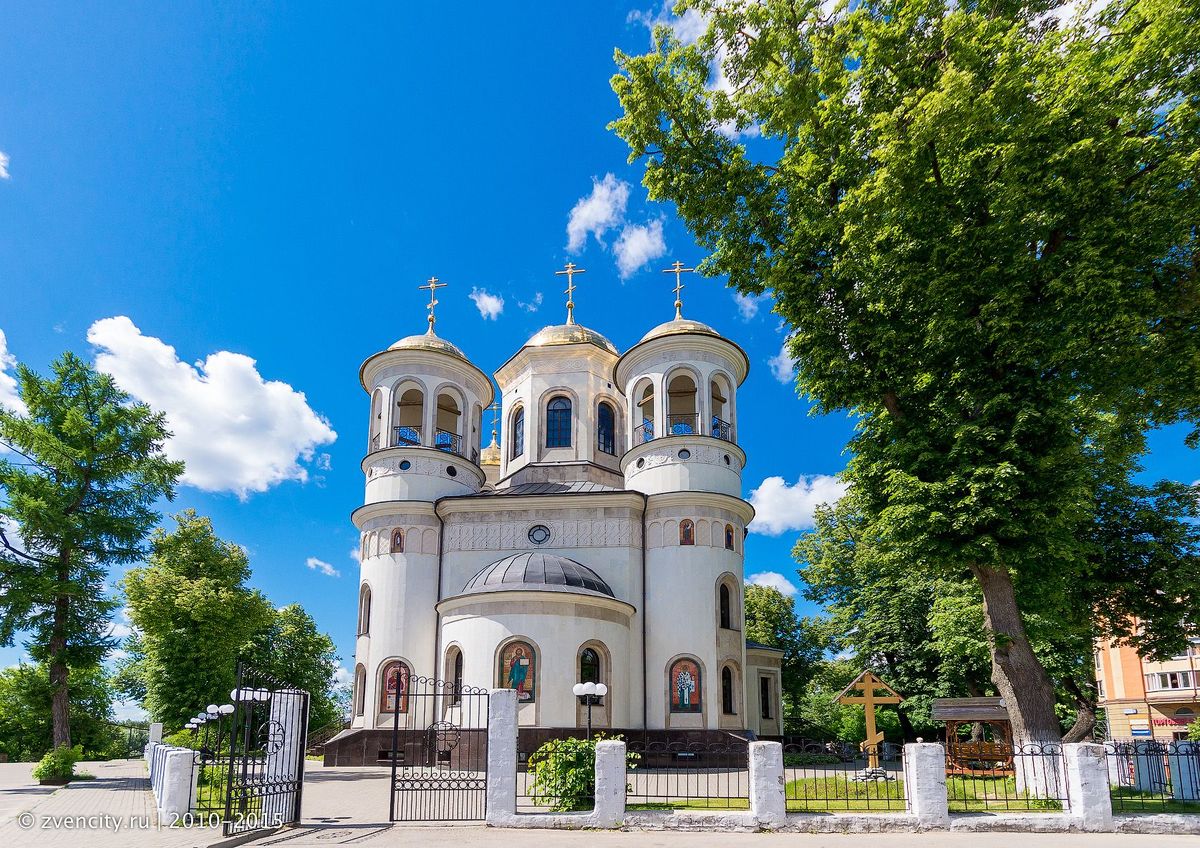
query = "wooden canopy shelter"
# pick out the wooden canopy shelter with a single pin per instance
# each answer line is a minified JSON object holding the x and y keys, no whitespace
{"x":968,"y":757}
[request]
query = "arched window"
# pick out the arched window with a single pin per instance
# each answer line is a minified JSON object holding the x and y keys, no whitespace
{"x":719,"y":398}
{"x":606,"y":429}
{"x":410,"y":409}
{"x":518,"y":432}
{"x":360,"y":690}
{"x":727,"y":702}
{"x":1185,"y":713}
{"x":364,"y":610}
{"x":393,"y":694}
{"x":376,"y":418}
{"x":681,"y":406}
{"x":448,"y":424}
{"x":397,"y":541}
{"x":645,"y":405}
{"x":684,"y":683}
{"x":726,"y":607}
{"x":729,"y":537}
{"x":518,"y":670}
{"x":454,"y":667}
{"x":687,"y":532}
{"x":589,"y":671}
{"x":558,"y":423}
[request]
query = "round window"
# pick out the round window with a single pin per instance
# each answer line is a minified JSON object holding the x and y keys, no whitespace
{"x":641,"y":463}
{"x":539,"y":534}
{"x":405,"y":465}
{"x":451,"y":470}
{"x":726,"y":459}
{"x":685,"y":454}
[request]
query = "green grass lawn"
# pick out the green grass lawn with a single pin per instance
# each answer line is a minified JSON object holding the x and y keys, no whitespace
{"x":830,"y":795}
{"x":994,"y":795}
{"x":1126,"y":800}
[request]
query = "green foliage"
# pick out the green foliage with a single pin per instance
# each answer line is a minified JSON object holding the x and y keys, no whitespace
{"x":1194,"y":731}
{"x":184,"y":739}
{"x":80,"y":486}
{"x":58,"y":764}
{"x":821,"y":717}
{"x":564,"y":773}
{"x":771,"y":619}
{"x":292,"y":649}
{"x":195,"y":617}
{"x":26,"y":728}
{"x":809,"y":758}
{"x":981,"y":227}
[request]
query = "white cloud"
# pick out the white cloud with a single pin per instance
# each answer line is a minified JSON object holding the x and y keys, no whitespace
{"x":637,"y":245}
{"x":324,"y":462}
{"x":129,"y":711}
{"x":774,"y":580}
{"x":687,"y":27}
{"x":783,"y":365}
{"x":356,"y":554}
{"x":748,"y":304}
{"x":343,"y":676}
{"x":8,"y":383}
{"x":599,"y":212}
{"x":532,"y":306}
{"x":322,"y":566}
{"x":3,"y":165}
{"x":235,"y":431}
{"x":779,"y":507}
{"x":489,"y":305}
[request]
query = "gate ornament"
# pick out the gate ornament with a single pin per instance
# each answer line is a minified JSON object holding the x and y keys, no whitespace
{"x":871,"y":691}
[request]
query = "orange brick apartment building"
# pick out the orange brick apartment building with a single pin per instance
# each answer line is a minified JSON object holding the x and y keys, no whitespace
{"x":1145,"y":699}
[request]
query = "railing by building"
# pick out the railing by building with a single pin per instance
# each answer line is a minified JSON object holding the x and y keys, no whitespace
{"x":1152,"y":776}
{"x":446,"y":441}
{"x":406,"y":437}
{"x":643,"y":433}
{"x":1031,"y":778}
{"x":688,"y":775}
{"x":548,"y":777}
{"x":820,"y":779}
{"x":683,"y":425}
{"x":722,"y":430}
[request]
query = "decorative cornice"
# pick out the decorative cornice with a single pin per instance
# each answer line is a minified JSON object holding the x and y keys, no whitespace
{"x":394,"y":455}
{"x":668,"y":500}
{"x":457,"y":504}
{"x":687,"y":342}
{"x":671,"y":444}
{"x":512,"y":596}
{"x":407,"y":357}
{"x":386,"y":509}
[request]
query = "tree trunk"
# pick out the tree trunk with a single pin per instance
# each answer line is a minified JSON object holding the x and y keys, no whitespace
{"x":1016,"y":671}
{"x":60,"y":703}
{"x":1085,"y":716}
{"x":906,"y":728}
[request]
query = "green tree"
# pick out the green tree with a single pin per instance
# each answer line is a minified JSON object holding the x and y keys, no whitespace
{"x":194,"y":618}
{"x":771,"y":619}
{"x":292,"y":649}
{"x":89,"y":467}
{"x":981,"y":226}
{"x":26,"y":724}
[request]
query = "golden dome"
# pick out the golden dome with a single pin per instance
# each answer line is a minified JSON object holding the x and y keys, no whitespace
{"x":491,"y":454}
{"x":428,"y":341}
{"x":679,"y":326}
{"x":565,"y":334}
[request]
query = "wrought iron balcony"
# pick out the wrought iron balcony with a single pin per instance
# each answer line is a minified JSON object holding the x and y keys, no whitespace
{"x":683,"y":425}
{"x":722,"y":429}
{"x":449,"y":442}
{"x":644,"y":433}
{"x":375,"y":442}
{"x":406,"y":437}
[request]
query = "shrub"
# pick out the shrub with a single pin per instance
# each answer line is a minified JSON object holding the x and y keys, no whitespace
{"x":564,"y":773}
{"x":1194,"y":731}
{"x":58,"y":764}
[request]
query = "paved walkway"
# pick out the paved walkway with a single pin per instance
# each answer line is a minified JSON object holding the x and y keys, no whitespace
{"x":116,"y":810}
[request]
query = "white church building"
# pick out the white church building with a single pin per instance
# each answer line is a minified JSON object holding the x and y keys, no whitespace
{"x":602,"y":539}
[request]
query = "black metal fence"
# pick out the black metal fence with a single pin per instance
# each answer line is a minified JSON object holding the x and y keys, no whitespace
{"x":697,"y":775}
{"x":1031,"y":778}
{"x":1152,"y":776}
{"x":821,"y":777}
{"x":438,"y":750}
{"x":558,"y":775}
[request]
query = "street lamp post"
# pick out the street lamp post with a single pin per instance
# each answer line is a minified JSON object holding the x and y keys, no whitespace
{"x":591,"y":693}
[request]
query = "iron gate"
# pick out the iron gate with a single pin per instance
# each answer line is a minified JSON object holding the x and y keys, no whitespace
{"x":439,"y":748}
{"x":265,"y":769}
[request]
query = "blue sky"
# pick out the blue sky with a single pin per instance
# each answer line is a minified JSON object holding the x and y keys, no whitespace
{"x":232,"y":207}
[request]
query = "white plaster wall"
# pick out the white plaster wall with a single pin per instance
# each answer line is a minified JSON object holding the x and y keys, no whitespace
{"x":713,"y":466}
{"x":557,"y":640}
{"x":427,"y":477}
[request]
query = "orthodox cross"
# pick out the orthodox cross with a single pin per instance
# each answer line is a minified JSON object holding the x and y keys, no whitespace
{"x":570,"y":271}
{"x":494,"y":409}
{"x":677,"y":269}
{"x":433,"y":285}
{"x":868,"y":685}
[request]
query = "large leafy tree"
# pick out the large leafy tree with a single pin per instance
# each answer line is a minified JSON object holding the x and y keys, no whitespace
{"x":980,"y":223}
{"x":771,"y":620}
{"x":85,"y":469}
{"x":292,"y":649}
{"x":194,"y":617}
{"x":26,"y":724}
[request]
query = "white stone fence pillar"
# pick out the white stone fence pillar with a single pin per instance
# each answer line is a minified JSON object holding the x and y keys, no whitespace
{"x":767,"y":800}
{"x":925,"y":784}
{"x":172,"y":779}
{"x":1088,"y":799}
{"x":611,"y":782}
{"x":502,"y":758}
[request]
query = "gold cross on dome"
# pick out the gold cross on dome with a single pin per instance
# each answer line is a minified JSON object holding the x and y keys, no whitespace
{"x":495,"y":410}
{"x":433,"y":285}
{"x":570,"y":270}
{"x":677,"y":269}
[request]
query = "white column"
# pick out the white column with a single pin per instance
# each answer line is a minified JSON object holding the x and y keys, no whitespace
{"x":1088,"y":801}
{"x":925,"y":784}
{"x":502,"y":757}
{"x":767,"y":801}
{"x":176,"y":785}
{"x":611,"y":780}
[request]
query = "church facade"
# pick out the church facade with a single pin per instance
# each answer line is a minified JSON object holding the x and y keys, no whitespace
{"x":601,"y":540}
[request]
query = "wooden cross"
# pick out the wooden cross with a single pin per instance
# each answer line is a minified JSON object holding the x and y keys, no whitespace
{"x":677,"y":269}
{"x":570,"y":271}
{"x":433,"y":285}
{"x":868,"y":684}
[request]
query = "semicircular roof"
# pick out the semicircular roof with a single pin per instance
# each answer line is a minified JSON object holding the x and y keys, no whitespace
{"x":538,"y":572}
{"x":679,"y":326}
{"x":564,"y":334}
{"x":428,"y":341}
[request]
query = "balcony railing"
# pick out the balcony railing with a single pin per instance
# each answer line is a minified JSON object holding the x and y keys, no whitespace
{"x":406,"y":437}
{"x":643,"y":433}
{"x":449,"y":442}
{"x":722,"y":429}
{"x":375,"y":442}
{"x":683,"y":425}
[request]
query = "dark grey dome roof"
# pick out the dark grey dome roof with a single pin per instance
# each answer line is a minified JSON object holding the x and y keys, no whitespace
{"x":540,"y":572}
